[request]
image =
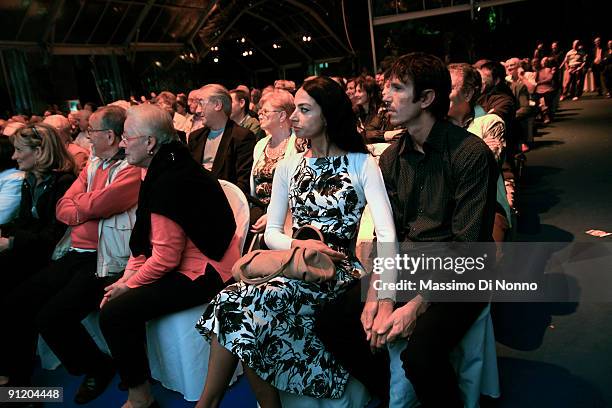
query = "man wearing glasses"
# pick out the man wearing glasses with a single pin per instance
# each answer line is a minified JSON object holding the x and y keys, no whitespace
{"x":222,"y":146}
{"x":99,"y":209}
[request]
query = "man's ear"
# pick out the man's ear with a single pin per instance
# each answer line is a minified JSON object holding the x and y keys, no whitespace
{"x":218,"y":106}
{"x":242,"y":103}
{"x":151,"y":143}
{"x":468,"y":95}
{"x":111,"y":137}
{"x":427,"y":98}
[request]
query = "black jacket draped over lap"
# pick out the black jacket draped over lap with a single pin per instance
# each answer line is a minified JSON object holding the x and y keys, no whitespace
{"x":179,"y":188}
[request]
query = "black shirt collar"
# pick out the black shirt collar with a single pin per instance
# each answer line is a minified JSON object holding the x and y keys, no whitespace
{"x":435,"y":140}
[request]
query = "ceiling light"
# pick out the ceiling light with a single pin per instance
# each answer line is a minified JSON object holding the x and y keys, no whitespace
{"x":216,"y":59}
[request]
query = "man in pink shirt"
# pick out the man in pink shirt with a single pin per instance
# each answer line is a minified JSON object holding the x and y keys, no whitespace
{"x":99,"y":209}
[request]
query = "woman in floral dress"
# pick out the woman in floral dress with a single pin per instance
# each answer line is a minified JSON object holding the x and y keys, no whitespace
{"x":270,"y":327}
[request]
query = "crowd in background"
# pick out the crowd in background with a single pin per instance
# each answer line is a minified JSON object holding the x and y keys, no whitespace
{"x":73,"y":201}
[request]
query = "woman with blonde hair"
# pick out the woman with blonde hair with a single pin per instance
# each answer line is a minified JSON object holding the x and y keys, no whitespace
{"x":280,"y":142}
{"x":26,"y":243}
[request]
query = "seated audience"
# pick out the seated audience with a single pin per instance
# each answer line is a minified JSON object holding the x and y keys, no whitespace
{"x":460,"y":210}
{"x":221,"y":146}
{"x":82,"y":123}
{"x":62,"y":125}
{"x":328,"y":187}
{"x":28,"y":240}
{"x":99,"y":208}
{"x":464,"y":112}
{"x":371,"y":117}
{"x":281,"y":142}
{"x":183,"y":245}
{"x":11,"y":180}
{"x":240,"y":113}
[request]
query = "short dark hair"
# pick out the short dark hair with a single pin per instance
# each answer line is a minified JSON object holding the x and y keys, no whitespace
{"x":498,"y":71}
{"x":6,"y":154}
{"x":240,"y":94}
{"x":338,"y":113}
{"x":112,"y":117}
{"x":470,"y":78}
{"x":426,"y":71}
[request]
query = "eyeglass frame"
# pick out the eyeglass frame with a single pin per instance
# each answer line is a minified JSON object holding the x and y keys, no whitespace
{"x":265,"y":113}
{"x":126,"y":139}
{"x":88,"y":131}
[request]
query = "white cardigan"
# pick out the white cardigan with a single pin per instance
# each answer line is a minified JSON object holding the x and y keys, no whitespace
{"x":258,"y":151}
{"x":369,"y":184}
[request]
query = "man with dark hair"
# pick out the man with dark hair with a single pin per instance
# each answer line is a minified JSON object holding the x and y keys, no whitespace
{"x":240,"y":113}
{"x":99,"y":209}
{"x":441,"y":182}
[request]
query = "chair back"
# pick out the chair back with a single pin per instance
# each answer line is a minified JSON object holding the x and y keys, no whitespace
{"x":240,"y":208}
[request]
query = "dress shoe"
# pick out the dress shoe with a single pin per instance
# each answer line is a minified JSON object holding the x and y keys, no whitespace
{"x":94,"y":385}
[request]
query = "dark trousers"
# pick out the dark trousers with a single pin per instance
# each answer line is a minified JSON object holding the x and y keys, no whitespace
{"x":123,"y":320}
{"x":338,"y":325}
{"x":426,"y":357}
{"x":55,"y":300}
{"x":597,"y":78}
{"x":16,"y":267}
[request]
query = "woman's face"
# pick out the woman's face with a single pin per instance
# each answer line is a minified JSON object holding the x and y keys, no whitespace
{"x":270,"y":116}
{"x":25,"y":156}
{"x":361,"y":96}
{"x":350,"y":90}
{"x":307,"y":120}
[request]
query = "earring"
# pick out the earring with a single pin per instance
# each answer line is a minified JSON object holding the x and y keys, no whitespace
{"x":150,"y":153}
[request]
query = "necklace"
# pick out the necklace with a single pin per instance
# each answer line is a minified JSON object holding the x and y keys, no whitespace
{"x":276,"y":152}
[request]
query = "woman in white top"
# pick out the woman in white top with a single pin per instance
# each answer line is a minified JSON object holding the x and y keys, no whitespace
{"x":10,"y":182}
{"x":280,"y":142}
{"x":269,"y":327}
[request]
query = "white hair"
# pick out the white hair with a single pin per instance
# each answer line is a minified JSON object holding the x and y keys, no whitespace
{"x":153,"y":121}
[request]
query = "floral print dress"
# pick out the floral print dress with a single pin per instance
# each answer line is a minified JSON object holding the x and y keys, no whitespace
{"x":270,"y":326}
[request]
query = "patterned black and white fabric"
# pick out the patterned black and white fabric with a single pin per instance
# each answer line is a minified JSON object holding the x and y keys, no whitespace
{"x":270,"y":327}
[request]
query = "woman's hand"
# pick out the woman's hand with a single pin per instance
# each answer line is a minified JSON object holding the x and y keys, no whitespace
{"x":319,"y":246}
{"x":114,"y":291}
{"x":381,"y":326}
{"x":260,"y":224}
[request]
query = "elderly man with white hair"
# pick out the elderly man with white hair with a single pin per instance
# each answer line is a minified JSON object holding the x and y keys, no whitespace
{"x":222,"y":146}
{"x":62,"y":124}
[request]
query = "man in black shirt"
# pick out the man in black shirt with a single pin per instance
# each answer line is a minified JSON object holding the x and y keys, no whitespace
{"x":441,"y":182}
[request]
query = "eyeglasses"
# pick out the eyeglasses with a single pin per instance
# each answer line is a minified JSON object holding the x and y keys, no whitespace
{"x":127,"y":139}
{"x":89,"y":131}
{"x":267,"y":112}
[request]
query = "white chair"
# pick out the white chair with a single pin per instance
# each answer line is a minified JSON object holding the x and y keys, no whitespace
{"x":355,"y":396}
{"x":178,"y":354}
{"x":474,"y":359}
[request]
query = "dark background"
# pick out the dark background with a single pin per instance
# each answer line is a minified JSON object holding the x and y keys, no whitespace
{"x":498,"y":33}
